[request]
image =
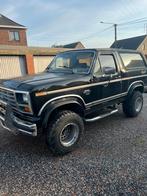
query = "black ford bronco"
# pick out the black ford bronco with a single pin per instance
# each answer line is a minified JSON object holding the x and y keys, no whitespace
{"x":78,"y":86}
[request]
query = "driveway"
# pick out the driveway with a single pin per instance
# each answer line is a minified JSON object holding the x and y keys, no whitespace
{"x":111,"y":160}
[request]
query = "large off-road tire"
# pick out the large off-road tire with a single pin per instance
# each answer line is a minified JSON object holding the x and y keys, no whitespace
{"x":133,"y":105}
{"x":64,"y":132}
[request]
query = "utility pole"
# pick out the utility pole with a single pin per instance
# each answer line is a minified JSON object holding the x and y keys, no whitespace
{"x":115,"y":30}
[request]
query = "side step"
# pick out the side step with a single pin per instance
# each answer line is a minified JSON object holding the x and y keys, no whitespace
{"x":101,"y":116}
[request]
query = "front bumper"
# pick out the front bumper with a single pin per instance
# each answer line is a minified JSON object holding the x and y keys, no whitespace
{"x":15,"y":124}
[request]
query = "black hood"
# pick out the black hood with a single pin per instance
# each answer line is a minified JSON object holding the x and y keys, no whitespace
{"x":39,"y":81}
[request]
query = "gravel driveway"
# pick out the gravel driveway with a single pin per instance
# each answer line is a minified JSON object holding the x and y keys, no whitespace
{"x":111,"y":160}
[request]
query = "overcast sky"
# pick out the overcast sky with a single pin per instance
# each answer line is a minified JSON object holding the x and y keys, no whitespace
{"x":64,"y":21}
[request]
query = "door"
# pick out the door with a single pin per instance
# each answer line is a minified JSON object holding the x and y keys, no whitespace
{"x":113,"y":88}
{"x":12,"y":66}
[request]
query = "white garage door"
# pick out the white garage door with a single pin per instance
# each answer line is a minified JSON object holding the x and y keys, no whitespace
{"x":41,"y":62}
{"x":12,"y":66}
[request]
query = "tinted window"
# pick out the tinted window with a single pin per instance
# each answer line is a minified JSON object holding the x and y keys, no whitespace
{"x":132,"y":61}
{"x":107,"y":60}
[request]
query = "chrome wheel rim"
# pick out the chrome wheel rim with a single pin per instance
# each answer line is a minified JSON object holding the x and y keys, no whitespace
{"x":138,"y":104}
{"x":69,"y":134}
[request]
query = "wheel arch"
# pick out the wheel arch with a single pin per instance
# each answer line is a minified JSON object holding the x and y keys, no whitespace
{"x":69,"y":103}
{"x":136,"y":86}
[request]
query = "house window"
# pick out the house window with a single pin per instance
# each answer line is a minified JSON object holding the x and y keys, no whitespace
{"x":14,"y":36}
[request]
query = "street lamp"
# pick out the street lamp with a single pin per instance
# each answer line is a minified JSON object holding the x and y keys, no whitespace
{"x":115,"y":28}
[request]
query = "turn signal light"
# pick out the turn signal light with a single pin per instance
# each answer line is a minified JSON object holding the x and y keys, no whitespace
{"x":27,"y":109}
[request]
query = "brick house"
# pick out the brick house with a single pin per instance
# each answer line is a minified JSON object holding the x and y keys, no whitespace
{"x":12,"y":33}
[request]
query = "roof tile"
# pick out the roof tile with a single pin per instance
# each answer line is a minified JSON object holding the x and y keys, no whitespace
{"x":4,"y":21}
{"x":129,"y":43}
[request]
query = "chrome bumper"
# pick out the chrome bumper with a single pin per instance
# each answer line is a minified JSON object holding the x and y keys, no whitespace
{"x":15,"y":124}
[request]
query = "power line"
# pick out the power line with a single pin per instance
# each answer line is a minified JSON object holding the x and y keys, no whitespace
{"x":96,"y":33}
{"x":134,"y":21}
{"x":135,"y":25}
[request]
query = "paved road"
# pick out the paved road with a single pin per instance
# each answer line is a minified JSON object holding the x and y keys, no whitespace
{"x":111,"y":160}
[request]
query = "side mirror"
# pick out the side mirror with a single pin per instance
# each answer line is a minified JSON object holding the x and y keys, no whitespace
{"x":109,"y":70}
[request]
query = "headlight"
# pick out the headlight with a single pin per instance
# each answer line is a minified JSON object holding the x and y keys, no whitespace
{"x":23,"y":102}
{"x":22,"y":98}
{"x":25,"y":98}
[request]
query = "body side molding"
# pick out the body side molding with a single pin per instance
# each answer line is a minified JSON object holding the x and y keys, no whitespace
{"x":91,"y":103}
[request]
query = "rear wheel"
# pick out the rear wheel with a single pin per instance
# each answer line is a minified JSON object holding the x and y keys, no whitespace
{"x":64,"y":132}
{"x":133,"y":105}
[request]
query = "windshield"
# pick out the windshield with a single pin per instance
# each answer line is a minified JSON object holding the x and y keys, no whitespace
{"x":75,"y":62}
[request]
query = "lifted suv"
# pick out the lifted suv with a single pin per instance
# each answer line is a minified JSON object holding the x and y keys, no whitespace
{"x":78,"y":86}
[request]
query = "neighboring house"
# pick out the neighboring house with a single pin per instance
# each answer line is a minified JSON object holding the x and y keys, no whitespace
{"x":75,"y":45}
{"x":134,"y":43}
{"x":12,"y":33}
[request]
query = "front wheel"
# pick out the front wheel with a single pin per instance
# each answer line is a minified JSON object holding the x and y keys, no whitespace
{"x":133,"y":105}
{"x":64,"y":132}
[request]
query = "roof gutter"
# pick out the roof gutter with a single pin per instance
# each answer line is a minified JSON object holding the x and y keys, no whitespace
{"x":14,"y":27}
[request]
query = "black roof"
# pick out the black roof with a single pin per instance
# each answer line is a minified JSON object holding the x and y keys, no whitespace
{"x":4,"y":21}
{"x":129,"y":43}
{"x":72,"y":45}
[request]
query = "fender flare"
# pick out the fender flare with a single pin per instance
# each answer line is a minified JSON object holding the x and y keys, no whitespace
{"x":134,"y":85}
{"x":53,"y":104}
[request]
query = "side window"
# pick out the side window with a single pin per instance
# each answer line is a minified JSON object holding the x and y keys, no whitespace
{"x":132,"y":61}
{"x":107,"y":61}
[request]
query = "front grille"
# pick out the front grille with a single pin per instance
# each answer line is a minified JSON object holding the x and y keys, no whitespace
{"x":7,"y":96}
{"x":2,"y":109}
